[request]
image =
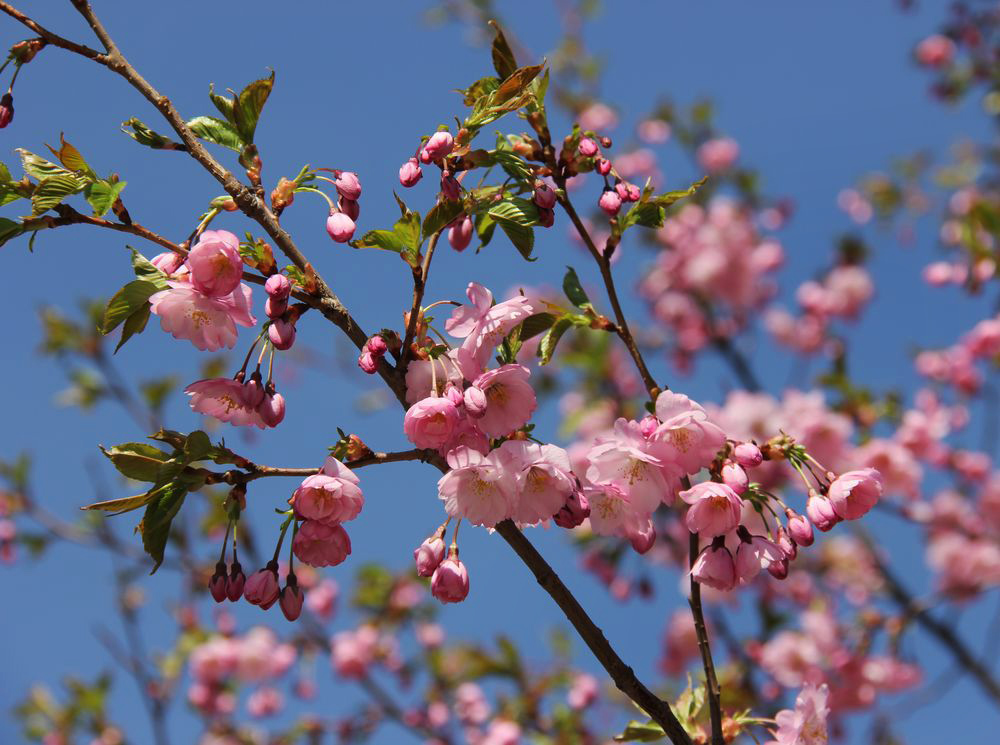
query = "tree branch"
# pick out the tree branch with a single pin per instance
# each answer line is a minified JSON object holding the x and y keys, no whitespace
{"x":419,"y":285}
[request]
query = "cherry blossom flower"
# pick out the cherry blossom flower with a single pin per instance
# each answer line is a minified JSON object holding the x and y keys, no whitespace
{"x":320,"y":545}
{"x":544,"y":479}
{"x":479,"y":487}
{"x":431,"y":422}
{"x":207,"y":322}
{"x":331,"y":496}
{"x":484,"y":325}
{"x":715,"y":508}
{"x":215,"y":264}
{"x":853,"y":493}
{"x":806,"y":725}
{"x":510,"y":399}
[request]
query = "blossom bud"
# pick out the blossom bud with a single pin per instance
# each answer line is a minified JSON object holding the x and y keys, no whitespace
{"x":747,"y":455}
{"x":278,"y":286}
{"x":546,"y":218}
{"x":799,"y":528}
{"x":367,"y":362}
{"x":735,"y":477}
{"x":410,"y":173}
{"x":235,"y":582}
{"x":574,"y":512}
{"x":853,"y":493}
{"x":778,"y":569}
{"x":821,"y":512}
{"x":544,"y":196}
{"x":376,"y":345}
{"x":460,"y":233}
{"x":283,"y":194}
{"x":349,"y":207}
{"x":588,"y":148}
{"x":253,"y":391}
{"x":262,"y":586}
{"x":450,"y":581}
{"x":786,"y":544}
{"x":605,"y":141}
{"x":272,"y":409}
{"x":6,"y":110}
{"x":217,"y":585}
{"x":439,"y":145}
{"x":633,"y":194}
{"x":340,"y":227}
{"x":291,"y":598}
{"x":429,"y":555}
{"x":167,"y":262}
{"x":275,"y":308}
{"x":603,"y":166}
{"x":348,"y":185}
{"x":450,"y":187}
{"x":648,"y":425}
{"x":475,"y":401}
{"x":610,"y":202}
{"x":455,"y":395}
{"x":643,"y":538}
{"x":621,"y":189}
{"x":282,"y":334}
{"x":715,"y":567}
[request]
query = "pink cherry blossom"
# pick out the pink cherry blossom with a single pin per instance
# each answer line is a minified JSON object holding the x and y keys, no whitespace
{"x":693,"y":440}
{"x":410,"y":173}
{"x":330,"y":496}
{"x":753,"y":555}
{"x":340,"y":227}
{"x":215,"y":263}
{"x":936,"y":50}
{"x":637,"y":466}
{"x":479,"y":487}
{"x":450,"y":582}
{"x":583,"y":691}
{"x":225,"y":399}
{"x":423,"y":375}
{"x":262,"y":587}
{"x":853,"y":493}
{"x":715,"y":567}
{"x":718,"y":155}
{"x":348,"y":185}
{"x":207,"y":322}
{"x":428,"y":555}
{"x":484,"y":325}
{"x":806,"y":725}
{"x":510,"y":399}
{"x":320,"y":545}
{"x":431,"y":422}
{"x":544,"y":479}
{"x":439,"y":145}
{"x":715,"y":508}
{"x":353,"y":652}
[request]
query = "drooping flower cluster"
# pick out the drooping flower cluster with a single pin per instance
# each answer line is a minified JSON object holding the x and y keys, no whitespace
{"x":324,"y":502}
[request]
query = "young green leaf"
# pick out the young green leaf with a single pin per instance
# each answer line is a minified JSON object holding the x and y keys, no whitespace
{"x":249,"y":104}
{"x":101,"y":195}
{"x":216,"y":131}
{"x":155,"y":525}
{"x":52,"y":190}
{"x":574,"y":290}
{"x":441,"y":215}
{"x":137,"y":460}
{"x":142,"y":134}
{"x":130,"y":298}
{"x":504,"y":61}
{"x":134,"y":324}
{"x":641,"y":732}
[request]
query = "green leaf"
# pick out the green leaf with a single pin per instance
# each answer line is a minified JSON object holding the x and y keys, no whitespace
{"x":142,"y":134}
{"x":667,"y":199}
{"x":9,"y":229}
{"x":38,"y":167}
{"x":504,"y":61}
{"x":122,"y":504}
{"x":71,"y":158}
{"x":404,"y":238}
{"x":144,"y":269}
{"x":515,"y":216}
{"x":535,"y":324}
{"x":9,"y":194}
{"x":481,"y":88}
{"x":641,"y":732}
{"x":510,"y":95}
{"x":387,"y":240}
{"x":441,"y":215}
{"x":101,"y":195}
{"x":137,"y":460}
{"x":129,"y":299}
{"x":134,"y":324}
{"x":216,"y":131}
{"x":248,"y":106}
{"x":574,"y":290}
{"x":648,"y":215}
{"x":4,"y":174}
{"x":223,"y":104}
{"x":155,"y":525}
{"x":485,"y":226}
{"x":197,"y":446}
{"x":513,"y":165}
{"x":547,"y":346}
{"x":51,"y":191}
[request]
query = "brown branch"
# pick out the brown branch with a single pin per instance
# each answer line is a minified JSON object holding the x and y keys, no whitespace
{"x":711,"y":680}
{"x":254,"y":471}
{"x":52,"y":38}
{"x":623,"y":675}
{"x":419,"y":285}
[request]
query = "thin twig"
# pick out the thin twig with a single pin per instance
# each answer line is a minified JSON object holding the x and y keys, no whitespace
{"x":711,"y":680}
{"x":419,"y":285}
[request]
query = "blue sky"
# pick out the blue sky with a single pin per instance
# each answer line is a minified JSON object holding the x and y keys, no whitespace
{"x":817,"y":95}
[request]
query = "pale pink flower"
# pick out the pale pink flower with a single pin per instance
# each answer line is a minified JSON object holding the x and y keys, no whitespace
{"x":544,"y":476}
{"x":611,"y":511}
{"x":340,"y":227}
{"x":471,"y":706}
{"x":429,"y":554}
{"x":936,"y":50}
{"x":431,"y":422}
{"x":821,"y":512}
{"x":715,"y":567}
{"x":735,"y":477}
{"x":223,"y":398}
{"x":718,"y":155}
{"x":450,"y":582}
{"x":853,"y":493}
{"x":715,"y":508}
{"x":410,"y":173}
{"x":215,"y":264}
{"x":348,"y":185}
{"x":478,"y":488}
{"x":484,"y":325}
{"x":265,"y":702}
{"x":510,"y":399}
{"x":502,"y":732}
{"x":806,"y":725}
{"x":330,"y":496}
{"x":634,"y":464}
{"x":322,"y":598}
{"x":207,"y":322}
{"x":748,"y":455}
{"x":353,"y":652}
{"x":438,"y":146}
{"x":598,"y":116}
{"x":167,"y":262}
{"x":583,"y":691}
{"x":753,"y":555}
{"x":685,"y":428}
{"x":429,"y":377}
{"x":320,"y":545}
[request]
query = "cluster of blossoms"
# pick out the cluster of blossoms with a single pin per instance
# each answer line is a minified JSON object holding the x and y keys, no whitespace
{"x":712,"y":257}
{"x":614,"y":194}
{"x":842,"y":293}
{"x":964,"y":232}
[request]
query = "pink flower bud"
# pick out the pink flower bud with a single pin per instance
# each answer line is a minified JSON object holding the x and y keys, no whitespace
{"x":546,"y":218}
{"x":715,"y":567}
{"x":348,"y":185}
{"x":368,"y":362}
{"x":574,"y":512}
{"x":410,"y":173}
{"x":425,"y":157}
{"x":439,"y":145}
{"x":935,"y":51}
{"x":621,"y":189}
{"x":6,"y":110}
{"x":648,"y":425}
{"x":275,"y":308}
{"x":643,"y":538}
{"x":278,"y":286}
{"x":282,"y":334}
{"x":588,"y":148}
{"x":799,"y":528}
{"x":821,"y":512}
{"x":291,"y":598}
{"x":475,"y":401}
{"x":603,"y":166}
{"x":215,"y":263}
{"x":377,"y":346}
{"x":167,"y":262}
{"x":340,"y":227}
{"x":450,"y":582}
{"x":632,"y":193}
{"x":272,"y":409}
{"x":735,"y":477}
{"x":544,"y":196}
{"x":460,"y":233}
{"x":431,"y":422}
{"x":747,"y":455}
{"x":235,"y":582}
{"x":428,"y":555}
{"x":349,"y":207}
{"x":217,"y":585}
{"x":454,"y":394}
{"x":610,"y":202}
{"x":262,"y":586}
{"x":786,"y":544}
{"x":778,"y":569}
{"x":853,"y":493}
{"x":253,"y":391}
{"x":450,"y":188}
